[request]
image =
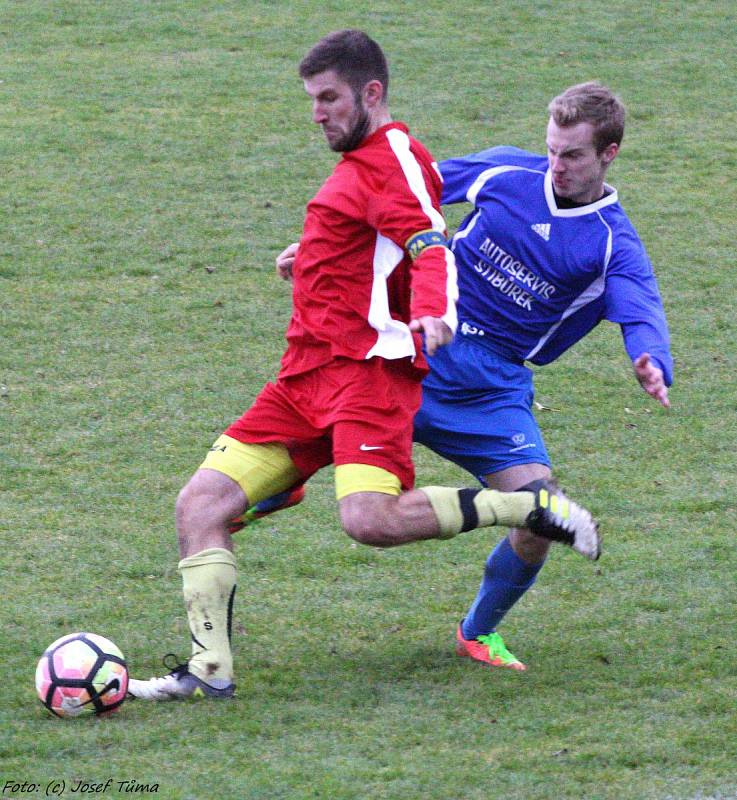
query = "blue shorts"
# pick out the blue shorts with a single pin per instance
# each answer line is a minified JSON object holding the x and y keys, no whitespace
{"x":477,"y":410}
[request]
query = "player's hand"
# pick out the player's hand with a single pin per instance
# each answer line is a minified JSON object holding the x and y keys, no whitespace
{"x":651,"y":379}
{"x":437,"y":333}
{"x":285,"y":261}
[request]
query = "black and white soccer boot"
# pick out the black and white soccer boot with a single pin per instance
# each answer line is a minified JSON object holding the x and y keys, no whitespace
{"x":560,"y":519}
{"x":179,"y":684}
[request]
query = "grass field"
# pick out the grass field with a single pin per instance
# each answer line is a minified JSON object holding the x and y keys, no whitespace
{"x":156,"y":157}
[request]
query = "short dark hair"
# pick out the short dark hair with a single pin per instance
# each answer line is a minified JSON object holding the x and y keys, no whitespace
{"x":355,"y":57}
{"x":591,"y":102}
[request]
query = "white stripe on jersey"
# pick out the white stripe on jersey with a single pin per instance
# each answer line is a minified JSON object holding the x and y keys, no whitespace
{"x":609,"y":240}
{"x":394,"y":336}
{"x":592,"y":291}
{"x":399,"y":142}
{"x":463,"y":232}
{"x":487,"y":174}
{"x":450,"y":318}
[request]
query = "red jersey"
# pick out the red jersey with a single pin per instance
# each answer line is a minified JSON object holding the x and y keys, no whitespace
{"x":356,"y":286}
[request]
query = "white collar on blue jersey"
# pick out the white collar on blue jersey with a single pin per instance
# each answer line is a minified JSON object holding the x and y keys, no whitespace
{"x":607,"y":200}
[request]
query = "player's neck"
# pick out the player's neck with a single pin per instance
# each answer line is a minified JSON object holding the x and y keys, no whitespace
{"x":567,"y":202}
{"x":378,"y":118}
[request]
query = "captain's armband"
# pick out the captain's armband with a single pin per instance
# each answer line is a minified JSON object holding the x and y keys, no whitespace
{"x":420,"y":242}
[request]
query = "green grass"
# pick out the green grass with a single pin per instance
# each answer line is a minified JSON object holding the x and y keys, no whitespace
{"x":156,"y":157}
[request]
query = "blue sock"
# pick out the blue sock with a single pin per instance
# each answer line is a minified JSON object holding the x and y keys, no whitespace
{"x":506,"y":578}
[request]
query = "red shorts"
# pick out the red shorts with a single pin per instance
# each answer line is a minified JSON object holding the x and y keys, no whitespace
{"x":345,"y":412}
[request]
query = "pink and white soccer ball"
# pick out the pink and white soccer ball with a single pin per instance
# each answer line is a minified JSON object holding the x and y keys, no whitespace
{"x":81,"y":673}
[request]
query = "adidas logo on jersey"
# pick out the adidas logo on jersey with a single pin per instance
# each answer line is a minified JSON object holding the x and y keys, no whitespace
{"x":542,"y":229}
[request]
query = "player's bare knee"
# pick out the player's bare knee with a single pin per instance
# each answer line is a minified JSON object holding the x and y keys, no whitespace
{"x":364,"y":531}
{"x":189,"y":501}
{"x":369,"y":523}
{"x":208,"y":497}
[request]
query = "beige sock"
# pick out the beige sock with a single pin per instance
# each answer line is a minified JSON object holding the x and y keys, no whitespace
{"x":208,"y":585}
{"x":460,"y":510}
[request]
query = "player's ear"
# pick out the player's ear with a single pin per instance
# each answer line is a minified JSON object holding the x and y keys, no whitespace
{"x":609,"y":153}
{"x":373,"y":93}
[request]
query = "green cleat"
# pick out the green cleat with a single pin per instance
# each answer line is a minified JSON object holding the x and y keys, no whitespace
{"x":488,"y":649}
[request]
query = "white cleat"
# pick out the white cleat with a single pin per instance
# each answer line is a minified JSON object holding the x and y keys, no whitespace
{"x":559,"y":519}
{"x":180,"y":683}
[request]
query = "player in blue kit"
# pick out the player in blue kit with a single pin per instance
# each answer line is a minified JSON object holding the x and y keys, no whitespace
{"x":545,"y":255}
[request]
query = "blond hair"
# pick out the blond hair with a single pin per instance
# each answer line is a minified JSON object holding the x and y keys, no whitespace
{"x":593,"y":103}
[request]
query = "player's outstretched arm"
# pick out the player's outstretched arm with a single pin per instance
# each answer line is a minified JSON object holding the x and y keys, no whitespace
{"x":651,"y":379}
{"x":437,"y":333}
{"x":285,"y":261}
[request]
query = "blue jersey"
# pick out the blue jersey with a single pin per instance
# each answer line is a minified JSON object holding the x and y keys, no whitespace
{"x":534,"y":278}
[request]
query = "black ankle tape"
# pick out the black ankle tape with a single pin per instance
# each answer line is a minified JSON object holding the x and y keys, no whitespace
{"x":468,"y":509}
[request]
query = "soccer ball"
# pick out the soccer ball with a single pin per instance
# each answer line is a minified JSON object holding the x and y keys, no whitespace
{"x":81,"y":673}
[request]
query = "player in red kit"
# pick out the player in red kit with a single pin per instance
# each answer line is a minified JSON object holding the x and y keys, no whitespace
{"x":373,"y":279}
